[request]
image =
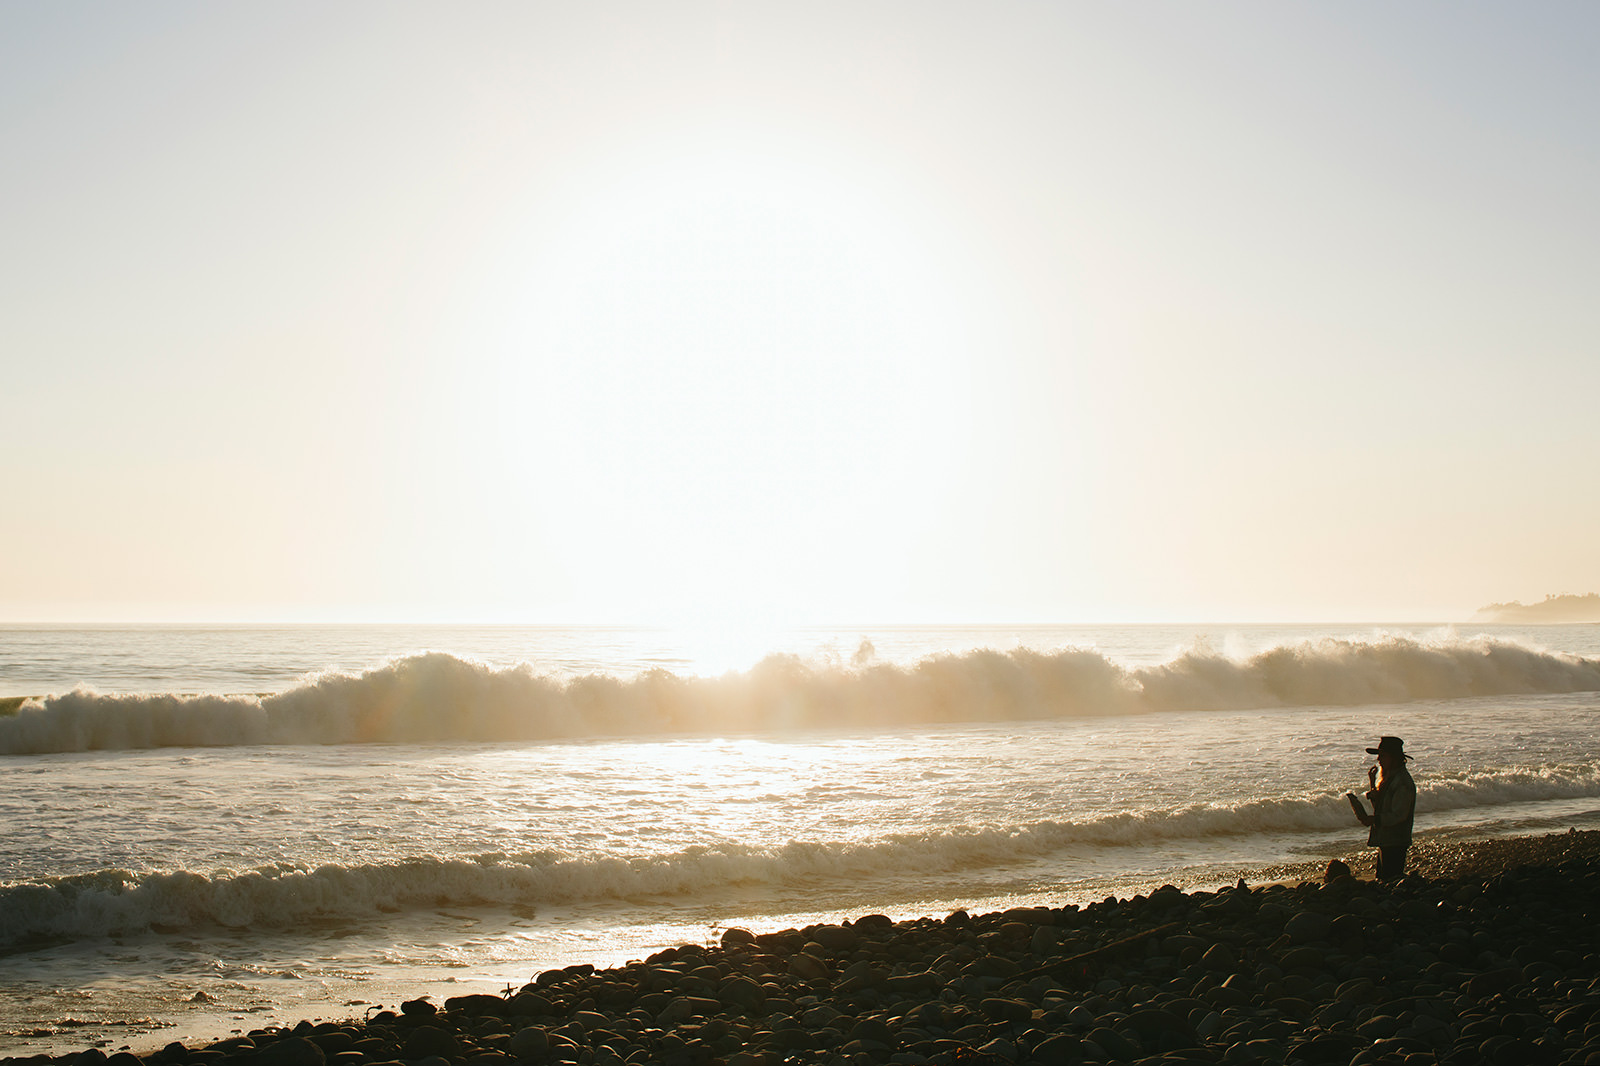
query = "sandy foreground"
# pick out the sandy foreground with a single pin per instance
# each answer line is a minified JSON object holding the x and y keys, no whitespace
{"x":1489,"y":952}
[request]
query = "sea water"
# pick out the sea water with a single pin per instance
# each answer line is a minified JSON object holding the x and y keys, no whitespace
{"x":213,"y":829}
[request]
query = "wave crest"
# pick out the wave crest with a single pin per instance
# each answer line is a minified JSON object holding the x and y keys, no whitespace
{"x":117,"y":902}
{"x":439,"y":698}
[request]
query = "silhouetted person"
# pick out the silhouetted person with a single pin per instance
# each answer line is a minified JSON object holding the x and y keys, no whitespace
{"x":1393,"y":796}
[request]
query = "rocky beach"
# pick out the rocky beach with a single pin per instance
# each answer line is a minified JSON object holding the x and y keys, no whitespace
{"x":1487,"y":952}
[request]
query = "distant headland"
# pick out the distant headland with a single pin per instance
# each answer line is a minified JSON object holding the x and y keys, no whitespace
{"x":1564,"y":608}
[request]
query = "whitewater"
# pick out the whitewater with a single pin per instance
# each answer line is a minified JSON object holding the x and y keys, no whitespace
{"x":219,"y":828}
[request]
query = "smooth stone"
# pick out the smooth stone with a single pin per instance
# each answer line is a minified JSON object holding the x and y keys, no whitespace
{"x":1112,"y":1043}
{"x":1012,"y":1011}
{"x":1484,"y":985}
{"x":1357,"y":990}
{"x":1225,"y":995}
{"x":478,"y":1003}
{"x":1324,"y":1048}
{"x":1307,"y":927}
{"x":836,"y":937}
{"x":742,"y":992}
{"x":1304,"y":960}
{"x":736,"y":936}
{"x":333,"y":1043}
{"x":1000,"y":1048}
{"x":429,"y":1040}
{"x":293,"y":1051}
{"x":526,"y":1003}
{"x":682,"y":1008}
{"x":1160,"y":1030}
{"x":875,"y":1030}
{"x":807,"y":967}
{"x":530,"y":1043}
{"x":1062,"y":1049}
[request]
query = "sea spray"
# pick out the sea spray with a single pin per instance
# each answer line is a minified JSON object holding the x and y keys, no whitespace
{"x":440,"y":698}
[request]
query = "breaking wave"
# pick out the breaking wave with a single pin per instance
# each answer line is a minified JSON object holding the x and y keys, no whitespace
{"x":118,"y":902}
{"x":439,"y":698}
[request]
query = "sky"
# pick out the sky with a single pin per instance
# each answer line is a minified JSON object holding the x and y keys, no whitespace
{"x":824,"y":312}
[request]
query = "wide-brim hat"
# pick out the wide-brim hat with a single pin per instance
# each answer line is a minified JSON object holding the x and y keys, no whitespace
{"x":1392,"y":745}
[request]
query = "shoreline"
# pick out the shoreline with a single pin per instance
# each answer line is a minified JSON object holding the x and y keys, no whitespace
{"x":1488,"y":951}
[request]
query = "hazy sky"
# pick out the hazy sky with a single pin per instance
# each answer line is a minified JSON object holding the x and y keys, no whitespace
{"x":822,"y":311}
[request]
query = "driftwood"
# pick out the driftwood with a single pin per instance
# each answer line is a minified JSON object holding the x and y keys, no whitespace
{"x":1083,"y":959}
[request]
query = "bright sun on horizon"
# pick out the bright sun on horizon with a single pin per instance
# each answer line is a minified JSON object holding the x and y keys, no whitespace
{"x":742,"y":317}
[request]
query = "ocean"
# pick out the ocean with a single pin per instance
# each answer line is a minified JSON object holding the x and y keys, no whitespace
{"x":213,"y":829}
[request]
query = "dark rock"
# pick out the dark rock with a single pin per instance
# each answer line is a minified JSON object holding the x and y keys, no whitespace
{"x":1160,"y":1030}
{"x":1010,"y":1011}
{"x":1347,"y":928}
{"x":334,"y":1042}
{"x":991,"y":966}
{"x":999,"y":1049}
{"x":785,"y":941}
{"x":807,"y":967}
{"x":1491,"y":982}
{"x":1178,"y":943}
{"x":413,"y":1008}
{"x":836,"y":938}
{"x":874,"y":1030}
{"x":1304,"y":960}
{"x":530,"y":1004}
{"x":683,"y":1008}
{"x":735,"y":937}
{"x":1515,"y":1051}
{"x":1063,"y":1049}
{"x":1113,"y":1043}
{"x":1307,"y":927}
{"x":293,"y":1051}
{"x":1357,"y":990}
{"x":1324,"y":1048}
{"x":428,"y":1040}
{"x":531,"y":1043}
{"x":476,"y":1004}
{"x":743,"y":993}
{"x":912,"y":984}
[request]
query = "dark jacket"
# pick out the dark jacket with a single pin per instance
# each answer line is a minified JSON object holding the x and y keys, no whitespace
{"x":1394,"y":807}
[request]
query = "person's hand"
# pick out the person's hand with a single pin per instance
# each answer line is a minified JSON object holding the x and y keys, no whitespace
{"x":1372,"y":775}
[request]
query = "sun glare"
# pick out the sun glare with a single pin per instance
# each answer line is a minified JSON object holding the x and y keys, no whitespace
{"x":735,"y":363}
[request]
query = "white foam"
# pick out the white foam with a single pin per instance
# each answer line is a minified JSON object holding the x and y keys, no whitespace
{"x":115,"y":902}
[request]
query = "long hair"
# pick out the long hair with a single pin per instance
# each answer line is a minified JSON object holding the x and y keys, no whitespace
{"x":1400,"y":764}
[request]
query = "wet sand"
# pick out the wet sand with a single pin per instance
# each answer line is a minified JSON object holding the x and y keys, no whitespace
{"x":1488,"y":952}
